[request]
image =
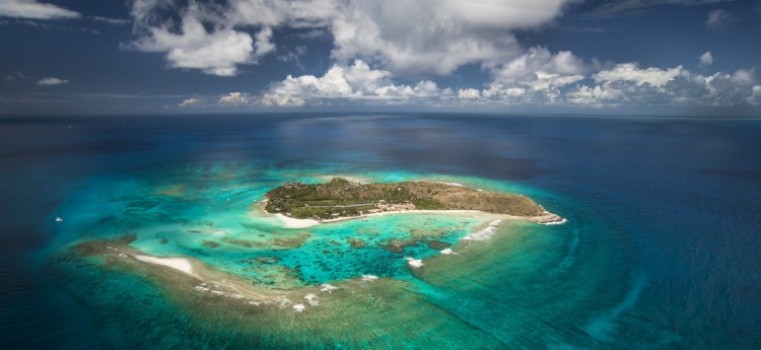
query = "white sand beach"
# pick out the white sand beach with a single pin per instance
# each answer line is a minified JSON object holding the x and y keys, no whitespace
{"x":290,"y":222}
{"x":179,"y":264}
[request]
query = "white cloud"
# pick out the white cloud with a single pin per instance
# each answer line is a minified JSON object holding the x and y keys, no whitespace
{"x":217,"y":51}
{"x":431,"y":36}
{"x":630,"y":72}
{"x":724,"y":89}
{"x":263,"y":43}
{"x":34,"y":10}
{"x":109,"y":20}
{"x":706,"y":59}
{"x":596,"y":96}
{"x":436,"y":36}
{"x":623,"y":86}
{"x":233,"y":99}
{"x":719,"y":19}
{"x":355,"y":82}
{"x":540,"y":78}
{"x":468,"y":94}
{"x":282,"y":100}
{"x":189,"y":102}
{"x":272,"y":13}
{"x":537,"y":76}
{"x":50,"y":81}
{"x":539,"y":61}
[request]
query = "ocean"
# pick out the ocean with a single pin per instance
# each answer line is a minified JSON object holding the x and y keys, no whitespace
{"x":660,"y":250}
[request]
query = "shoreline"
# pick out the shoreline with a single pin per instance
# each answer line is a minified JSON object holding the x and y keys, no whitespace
{"x":291,"y":222}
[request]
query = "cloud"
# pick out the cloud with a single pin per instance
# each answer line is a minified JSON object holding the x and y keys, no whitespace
{"x":109,"y":20}
{"x":216,"y":51}
{"x":189,"y":102}
{"x":263,"y":43}
{"x":428,"y":36}
{"x":671,"y":87}
{"x":233,"y":99}
{"x":468,"y":94}
{"x":705,"y":59}
{"x":597,"y":96}
{"x":50,"y":81}
{"x":294,"y":56}
{"x":32,"y":9}
{"x":536,"y":76}
{"x":631,"y":73}
{"x":634,"y":6}
{"x":348,"y":83}
{"x":434,"y":36}
{"x":539,"y":78}
{"x":719,"y":19}
{"x":14,"y":76}
{"x":536,"y":62}
{"x":755,"y":97}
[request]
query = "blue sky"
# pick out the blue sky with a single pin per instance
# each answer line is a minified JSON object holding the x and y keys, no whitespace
{"x":685,"y":57}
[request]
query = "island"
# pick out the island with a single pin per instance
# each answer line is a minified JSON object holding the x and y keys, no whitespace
{"x":341,"y":199}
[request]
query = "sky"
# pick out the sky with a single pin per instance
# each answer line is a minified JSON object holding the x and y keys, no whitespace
{"x":625,"y":57}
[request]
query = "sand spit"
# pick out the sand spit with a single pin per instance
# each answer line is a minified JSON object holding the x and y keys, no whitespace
{"x":186,"y":272}
{"x":179,"y":264}
{"x":290,"y":222}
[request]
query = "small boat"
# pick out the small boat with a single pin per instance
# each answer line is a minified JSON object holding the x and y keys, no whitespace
{"x":58,"y":219}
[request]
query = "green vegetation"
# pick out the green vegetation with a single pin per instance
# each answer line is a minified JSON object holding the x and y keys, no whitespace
{"x":343,"y":198}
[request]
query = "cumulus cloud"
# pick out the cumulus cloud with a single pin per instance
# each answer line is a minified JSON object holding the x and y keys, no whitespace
{"x":670,"y":87}
{"x":631,"y":73}
{"x":436,"y":36}
{"x":537,"y":76}
{"x":50,"y":81}
{"x":32,"y":9}
{"x":233,"y":99}
{"x":215,"y":38}
{"x":355,"y":82}
{"x":705,"y":59}
{"x":719,"y":19}
{"x":189,"y":102}
{"x":216,"y":52}
{"x":431,"y":36}
{"x":541,"y":78}
{"x":597,"y":96}
{"x":468,"y":94}
{"x":539,"y":61}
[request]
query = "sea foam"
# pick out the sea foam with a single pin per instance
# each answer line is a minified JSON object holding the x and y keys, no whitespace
{"x":414,"y":263}
{"x":485,"y":233}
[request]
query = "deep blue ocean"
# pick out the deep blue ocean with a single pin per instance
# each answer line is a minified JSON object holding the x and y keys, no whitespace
{"x":663,"y":239}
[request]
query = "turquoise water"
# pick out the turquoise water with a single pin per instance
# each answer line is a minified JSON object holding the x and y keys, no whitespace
{"x":211,"y":214}
{"x":659,"y":251}
{"x":494,"y":285}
